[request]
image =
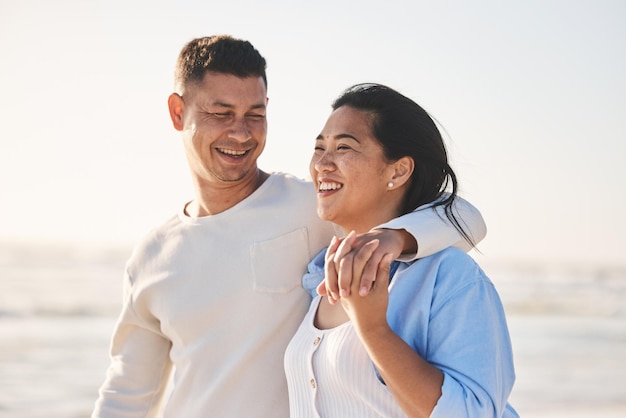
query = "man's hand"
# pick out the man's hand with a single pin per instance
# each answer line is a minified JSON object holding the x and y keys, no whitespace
{"x":358,"y":258}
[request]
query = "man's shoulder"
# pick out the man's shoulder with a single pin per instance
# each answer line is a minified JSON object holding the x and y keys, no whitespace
{"x":283,"y":186}
{"x":290,"y":179}
{"x":158,"y":234}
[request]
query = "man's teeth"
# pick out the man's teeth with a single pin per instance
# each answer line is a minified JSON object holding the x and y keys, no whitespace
{"x":330,"y":186}
{"x":232,"y":152}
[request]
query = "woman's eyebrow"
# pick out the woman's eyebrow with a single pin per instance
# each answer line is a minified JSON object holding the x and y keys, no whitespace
{"x":339,"y":136}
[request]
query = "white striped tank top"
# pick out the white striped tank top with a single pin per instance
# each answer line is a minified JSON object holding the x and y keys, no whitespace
{"x":330,"y":375}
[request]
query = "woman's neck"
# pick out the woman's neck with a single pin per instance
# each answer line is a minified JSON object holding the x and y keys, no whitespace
{"x":365,"y":225}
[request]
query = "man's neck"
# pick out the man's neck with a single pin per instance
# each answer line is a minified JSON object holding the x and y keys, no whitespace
{"x":212,"y":199}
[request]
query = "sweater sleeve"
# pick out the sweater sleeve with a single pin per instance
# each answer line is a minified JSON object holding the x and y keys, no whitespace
{"x":433,"y":231}
{"x":139,"y":370}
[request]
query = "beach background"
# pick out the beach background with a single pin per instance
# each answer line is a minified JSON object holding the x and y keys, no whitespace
{"x":58,"y":308}
{"x":531,"y":97}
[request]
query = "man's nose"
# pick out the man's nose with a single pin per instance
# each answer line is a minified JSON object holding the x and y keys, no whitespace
{"x":239,"y":130}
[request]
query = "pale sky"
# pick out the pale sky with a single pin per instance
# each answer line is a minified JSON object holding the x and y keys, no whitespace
{"x":531,"y":94}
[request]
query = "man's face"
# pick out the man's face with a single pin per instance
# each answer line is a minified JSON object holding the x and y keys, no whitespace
{"x":224,"y":127}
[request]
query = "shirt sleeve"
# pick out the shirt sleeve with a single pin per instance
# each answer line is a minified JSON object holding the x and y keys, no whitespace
{"x":139,"y":371}
{"x":434,"y":232}
{"x":468,"y":341}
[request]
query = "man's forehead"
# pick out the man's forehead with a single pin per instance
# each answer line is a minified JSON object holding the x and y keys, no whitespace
{"x":226,"y":90}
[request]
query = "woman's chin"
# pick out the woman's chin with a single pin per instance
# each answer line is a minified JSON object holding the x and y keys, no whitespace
{"x":327,"y":215}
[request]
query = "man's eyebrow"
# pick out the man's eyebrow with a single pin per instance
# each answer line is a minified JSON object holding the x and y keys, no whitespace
{"x":340,"y":136}
{"x":230,"y":106}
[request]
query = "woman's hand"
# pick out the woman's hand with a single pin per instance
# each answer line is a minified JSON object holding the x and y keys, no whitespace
{"x":369,"y":313}
{"x":352,"y":264}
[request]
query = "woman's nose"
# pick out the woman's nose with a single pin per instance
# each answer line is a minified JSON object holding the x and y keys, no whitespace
{"x":325,"y":162}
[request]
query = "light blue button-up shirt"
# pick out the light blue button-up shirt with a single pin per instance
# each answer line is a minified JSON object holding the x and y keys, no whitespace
{"x":448,"y":311}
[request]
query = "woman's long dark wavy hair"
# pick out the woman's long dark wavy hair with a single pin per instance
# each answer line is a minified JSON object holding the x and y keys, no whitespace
{"x":404,"y":128}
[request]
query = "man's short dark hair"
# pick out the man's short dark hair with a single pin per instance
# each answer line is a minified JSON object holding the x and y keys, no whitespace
{"x":220,"y":54}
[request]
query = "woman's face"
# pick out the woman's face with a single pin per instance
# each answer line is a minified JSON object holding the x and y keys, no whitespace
{"x":350,"y":172}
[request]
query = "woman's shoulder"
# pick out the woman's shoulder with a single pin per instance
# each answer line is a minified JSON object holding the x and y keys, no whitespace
{"x":451,"y":257}
{"x":449,"y":270}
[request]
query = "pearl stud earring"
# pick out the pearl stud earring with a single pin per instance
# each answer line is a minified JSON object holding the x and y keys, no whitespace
{"x":390,"y":184}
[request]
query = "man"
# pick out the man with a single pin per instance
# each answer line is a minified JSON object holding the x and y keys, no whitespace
{"x":216,"y":290}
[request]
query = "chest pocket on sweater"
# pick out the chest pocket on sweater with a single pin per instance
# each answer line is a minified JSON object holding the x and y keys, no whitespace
{"x":279,"y":263}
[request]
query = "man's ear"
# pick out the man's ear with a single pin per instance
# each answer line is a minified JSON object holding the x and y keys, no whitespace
{"x":176,"y":105}
{"x":403,"y":169}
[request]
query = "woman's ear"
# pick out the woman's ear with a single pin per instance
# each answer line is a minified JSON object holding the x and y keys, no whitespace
{"x":402,"y":171}
{"x":176,"y":105}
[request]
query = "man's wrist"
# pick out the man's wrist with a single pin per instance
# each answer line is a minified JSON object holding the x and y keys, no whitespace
{"x":409,"y":243}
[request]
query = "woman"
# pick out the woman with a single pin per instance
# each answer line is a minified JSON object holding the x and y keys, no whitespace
{"x":430,"y":339}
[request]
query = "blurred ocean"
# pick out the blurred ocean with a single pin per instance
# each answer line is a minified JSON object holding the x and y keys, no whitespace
{"x":58,"y":306}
